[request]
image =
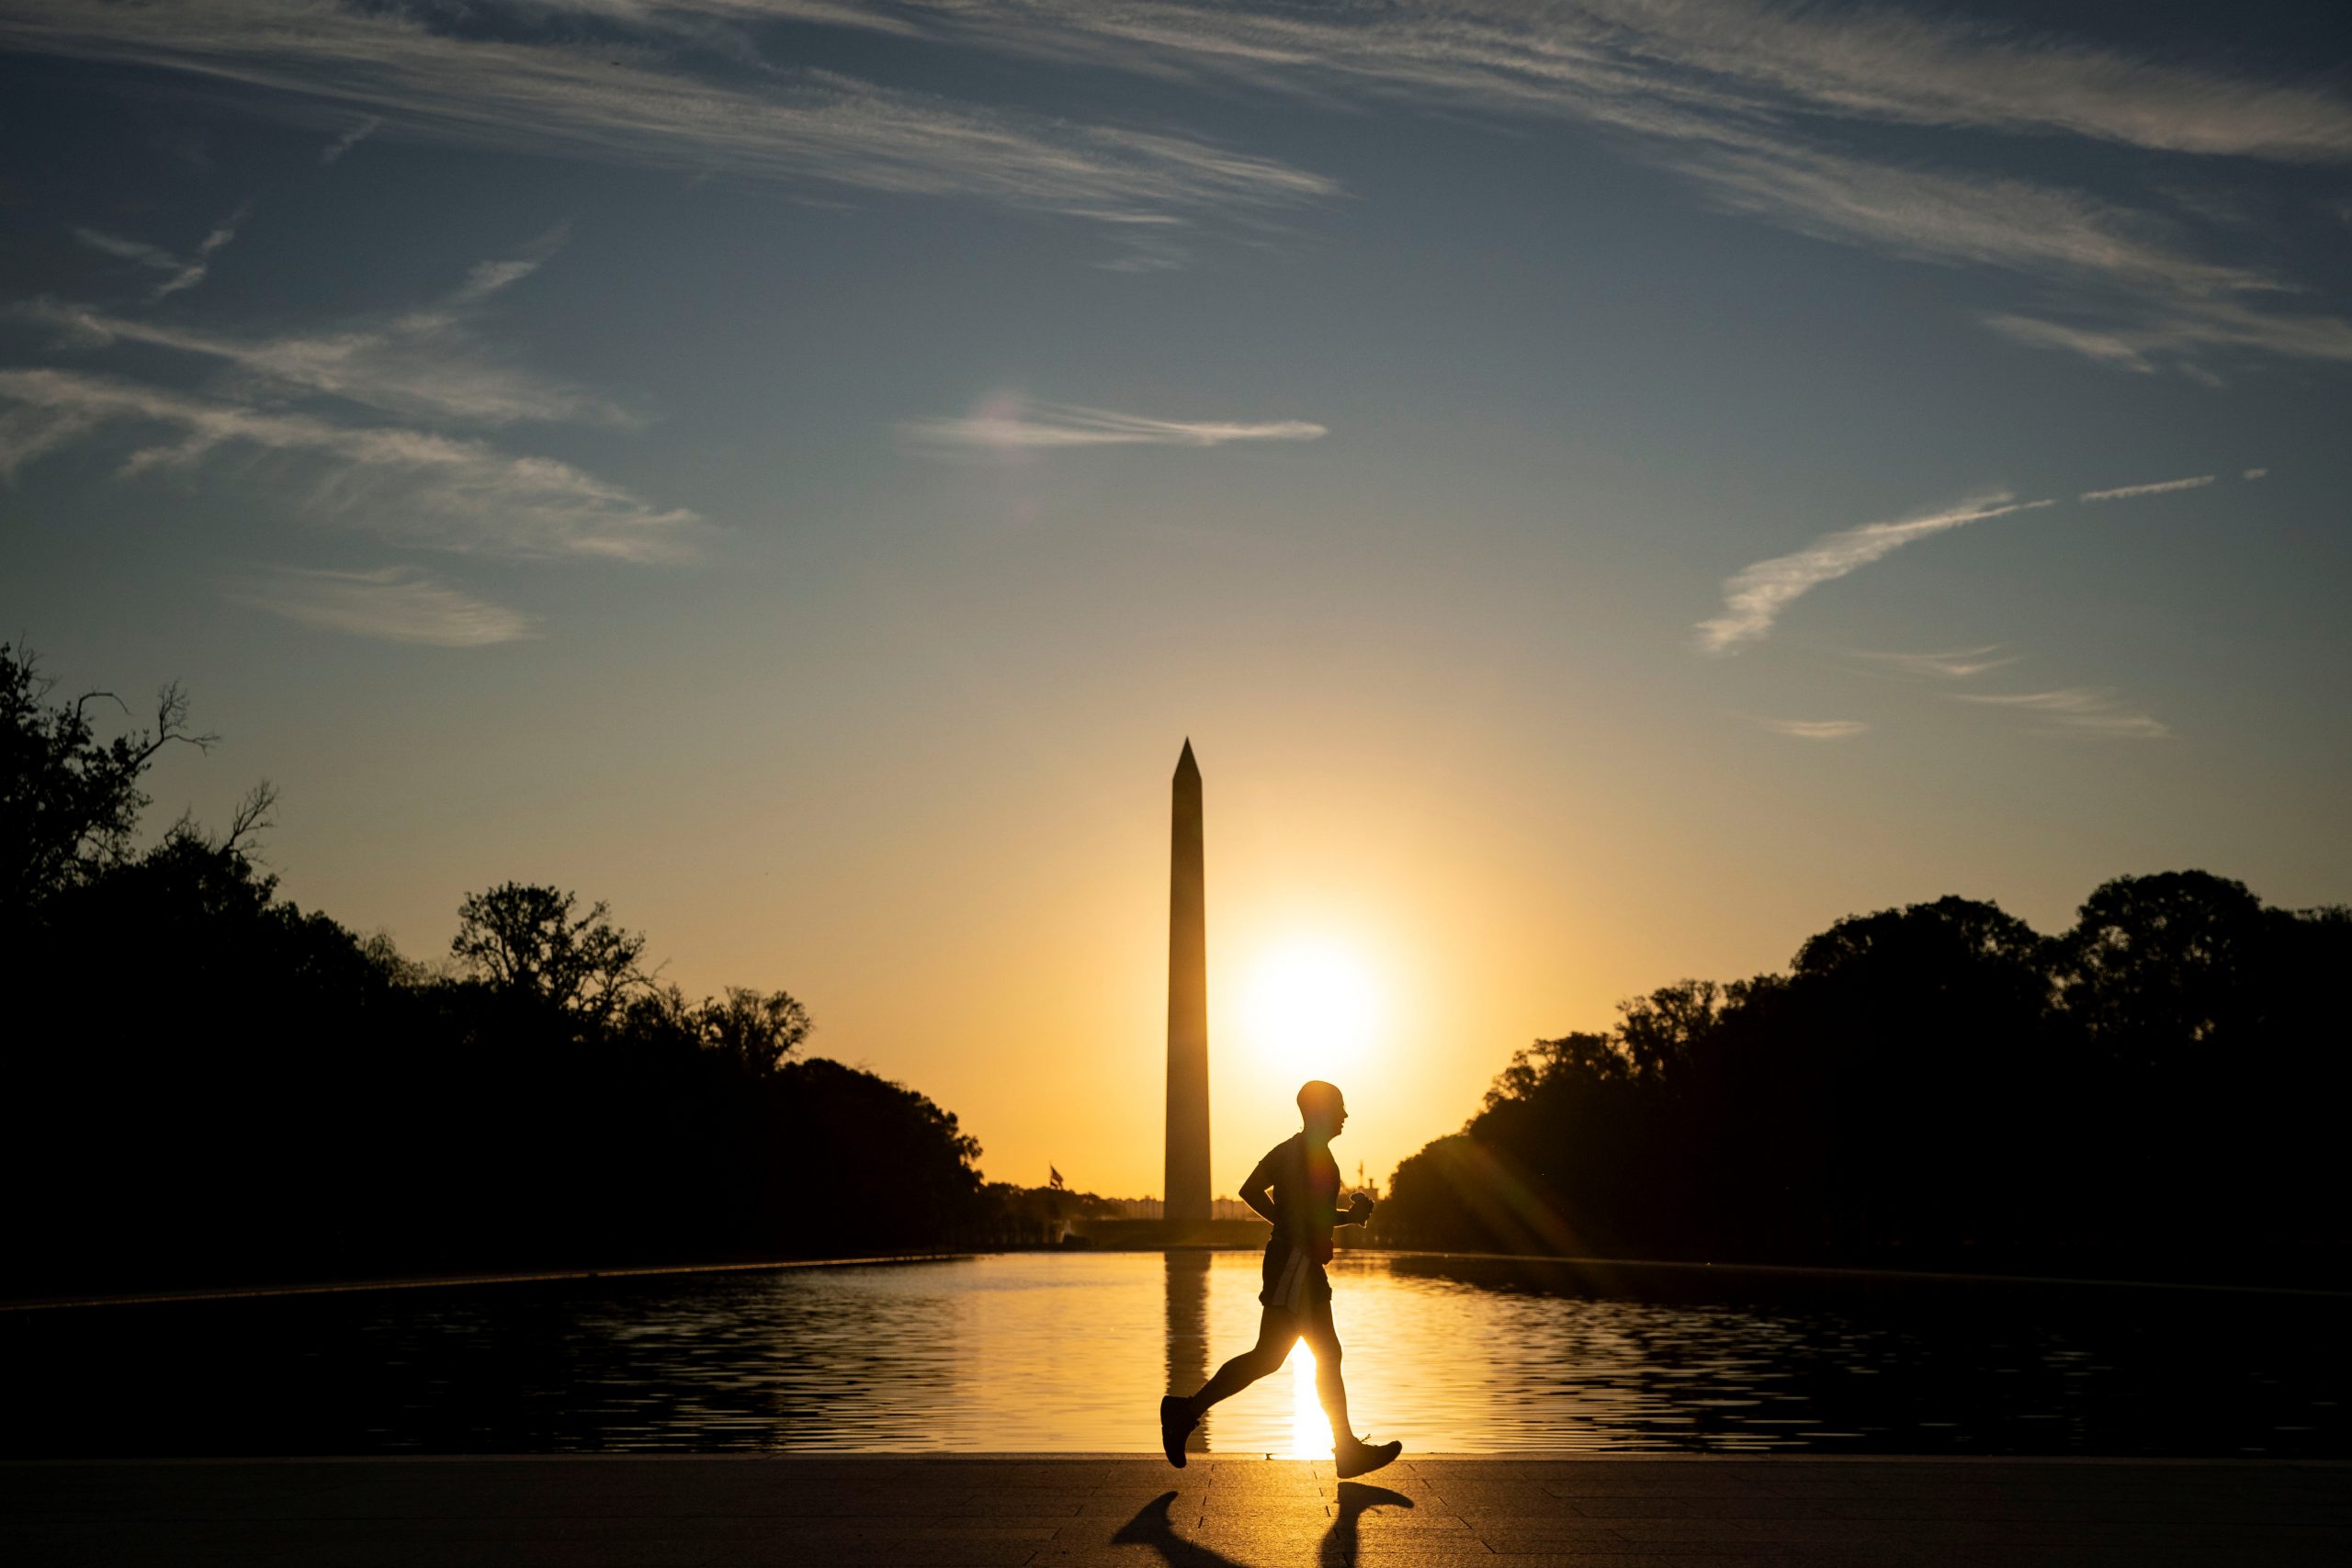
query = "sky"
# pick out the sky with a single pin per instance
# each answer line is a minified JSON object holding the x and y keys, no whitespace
{"x":1607,"y":489}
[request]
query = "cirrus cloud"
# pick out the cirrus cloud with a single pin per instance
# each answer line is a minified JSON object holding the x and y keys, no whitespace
{"x":417,"y":486}
{"x":391,"y":605}
{"x":1012,"y":426}
{"x":1815,"y":728}
{"x":420,"y":364}
{"x":187,"y":272}
{"x":447,"y":74}
{"x":2133,"y":492}
{"x":1755,"y":597}
{"x":2088,"y":712}
{"x":1959,"y":664}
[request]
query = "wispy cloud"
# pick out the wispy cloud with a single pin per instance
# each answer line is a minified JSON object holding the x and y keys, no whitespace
{"x":423,"y":364}
{"x":186,"y":272}
{"x":2254,"y":473}
{"x":2139,"y":335}
{"x":1579,"y":58}
{"x":416,"y":486}
{"x":1959,"y":220}
{"x":2094,"y":712}
{"x":1815,"y":728}
{"x":490,"y":277}
{"x":2162,"y":487}
{"x":1747,"y":97}
{"x":1009,"y":425}
{"x":1755,"y":597}
{"x":277,"y":420}
{"x":1959,"y":664}
{"x":138,"y":251}
{"x":394,"y":605}
{"x":200,"y":262}
{"x":2107,"y":348}
{"x":1943,"y":71}
{"x":440,"y":73}
{"x":1738,"y":94}
{"x":366,"y":126}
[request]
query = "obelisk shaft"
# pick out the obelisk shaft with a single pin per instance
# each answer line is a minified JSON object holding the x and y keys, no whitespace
{"x":1187,"y":1192}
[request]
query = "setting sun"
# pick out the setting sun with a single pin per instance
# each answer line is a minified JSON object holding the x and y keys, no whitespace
{"x":1312,"y":1006}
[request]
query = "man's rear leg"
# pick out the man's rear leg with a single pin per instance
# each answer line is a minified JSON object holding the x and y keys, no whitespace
{"x":1277,"y":1330}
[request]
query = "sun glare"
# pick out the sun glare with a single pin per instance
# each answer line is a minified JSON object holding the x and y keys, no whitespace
{"x":1310,"y":1430}
{"x":1311,"y":1007}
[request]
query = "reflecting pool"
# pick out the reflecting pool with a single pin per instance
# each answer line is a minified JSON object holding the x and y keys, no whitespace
{"x":1070,"y":1352}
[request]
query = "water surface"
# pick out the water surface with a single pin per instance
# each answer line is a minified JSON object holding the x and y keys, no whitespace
{"x":1070,"y":1352}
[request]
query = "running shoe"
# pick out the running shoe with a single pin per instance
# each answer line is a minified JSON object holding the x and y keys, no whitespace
{"x":1176,"y":1424}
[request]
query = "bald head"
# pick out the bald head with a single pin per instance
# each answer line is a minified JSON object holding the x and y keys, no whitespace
{"x":1321,"y":1106}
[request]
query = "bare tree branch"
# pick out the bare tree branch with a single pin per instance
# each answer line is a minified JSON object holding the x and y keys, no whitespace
{"x":253,"y":814}
{"x":81,"y":701}
{"x":171,"y":724}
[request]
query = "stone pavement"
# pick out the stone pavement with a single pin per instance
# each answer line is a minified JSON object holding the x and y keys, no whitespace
{"x":1137,"y":1513}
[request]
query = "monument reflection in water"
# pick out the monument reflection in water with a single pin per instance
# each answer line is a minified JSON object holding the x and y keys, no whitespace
{"x":1047,"y":1352}
{"x":1188,"y":1330}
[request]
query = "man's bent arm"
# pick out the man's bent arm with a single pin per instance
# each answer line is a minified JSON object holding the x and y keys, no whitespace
{"x":1257,"y":1191}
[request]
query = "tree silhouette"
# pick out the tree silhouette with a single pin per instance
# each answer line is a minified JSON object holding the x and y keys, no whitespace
{"x":69,"y":802}
{"x":522,"y":937}
{"x":202,"y":1083}
{"x":2158,"y":969}
{"x":1941,"y":1083}
{"x":758,"y":1029}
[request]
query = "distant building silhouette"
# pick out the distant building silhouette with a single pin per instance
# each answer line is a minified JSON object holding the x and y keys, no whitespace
{"x":1220,"y":1209}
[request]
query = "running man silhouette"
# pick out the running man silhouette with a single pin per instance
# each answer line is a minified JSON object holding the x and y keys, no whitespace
{"x":1303,"y":1208}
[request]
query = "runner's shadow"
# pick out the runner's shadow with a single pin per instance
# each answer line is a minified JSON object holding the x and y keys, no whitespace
{"x":1338,"y":1549}
{"x":1151,"y":1527}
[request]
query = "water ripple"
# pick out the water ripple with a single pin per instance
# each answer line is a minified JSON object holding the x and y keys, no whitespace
{"x":1071,"y":1352}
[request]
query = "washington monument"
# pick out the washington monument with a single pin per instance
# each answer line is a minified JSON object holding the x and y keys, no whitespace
{"x":1187,"y":1191}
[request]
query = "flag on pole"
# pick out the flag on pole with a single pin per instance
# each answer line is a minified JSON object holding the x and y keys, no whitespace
{"x":1056,"y":1182}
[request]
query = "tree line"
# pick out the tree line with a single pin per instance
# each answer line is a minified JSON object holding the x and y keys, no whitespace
{"x":2161,"y":1088}
{"x":204,"y":1083}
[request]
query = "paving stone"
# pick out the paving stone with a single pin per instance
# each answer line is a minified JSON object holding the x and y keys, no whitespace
{"x":1220,"y":1512}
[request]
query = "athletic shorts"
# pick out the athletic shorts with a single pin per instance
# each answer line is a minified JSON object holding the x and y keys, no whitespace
{"x":1295,"y":1281}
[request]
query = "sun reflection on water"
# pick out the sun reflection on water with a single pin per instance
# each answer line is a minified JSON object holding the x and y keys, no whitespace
{"x":1310,"y":1434}
{"x":1073,"y":1352}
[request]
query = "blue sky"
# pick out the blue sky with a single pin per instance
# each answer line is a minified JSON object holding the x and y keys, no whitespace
{"x":1608,"y":488}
